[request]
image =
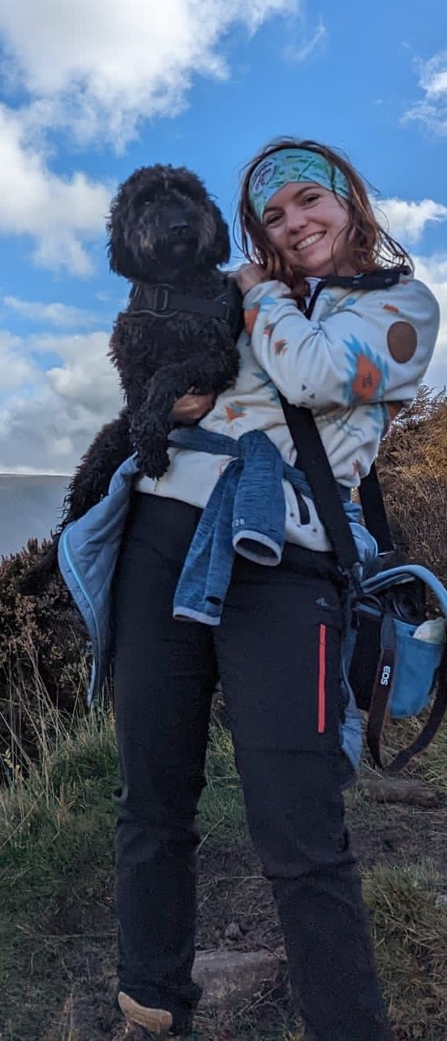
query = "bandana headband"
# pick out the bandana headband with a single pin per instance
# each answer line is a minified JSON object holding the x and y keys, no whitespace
{"x":292,"y":166}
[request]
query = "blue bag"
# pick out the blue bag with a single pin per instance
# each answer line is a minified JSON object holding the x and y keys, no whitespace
{"x":391,"y":671}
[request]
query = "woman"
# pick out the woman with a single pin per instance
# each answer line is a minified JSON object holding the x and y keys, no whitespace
{"x":353,"y":355}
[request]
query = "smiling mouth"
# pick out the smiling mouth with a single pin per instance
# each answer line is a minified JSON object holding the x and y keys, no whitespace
{"x":309,"y":241}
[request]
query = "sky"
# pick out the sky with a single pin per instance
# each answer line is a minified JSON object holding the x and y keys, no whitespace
{"x":92,"y":89}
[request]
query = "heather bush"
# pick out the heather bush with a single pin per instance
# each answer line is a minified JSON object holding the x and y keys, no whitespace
{"x":412,"y":466}
{"x":42,"y":646}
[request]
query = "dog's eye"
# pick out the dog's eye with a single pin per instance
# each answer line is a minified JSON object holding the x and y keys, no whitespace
{"x":144,"y":200}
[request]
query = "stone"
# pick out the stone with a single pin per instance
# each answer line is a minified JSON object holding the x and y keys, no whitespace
{"x":233,"y":931}
{"x":228,"y":978}
{"x":409,"y":791}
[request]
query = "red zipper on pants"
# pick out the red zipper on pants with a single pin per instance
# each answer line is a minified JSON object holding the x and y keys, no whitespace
{"x":322,"y":680}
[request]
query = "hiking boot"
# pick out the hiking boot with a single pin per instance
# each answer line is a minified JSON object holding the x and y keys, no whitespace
{"x":154,"y":1022}
{"x":144,"y":1023}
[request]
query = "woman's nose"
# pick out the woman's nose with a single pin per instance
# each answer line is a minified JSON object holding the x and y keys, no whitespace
{"x":295,"y":219}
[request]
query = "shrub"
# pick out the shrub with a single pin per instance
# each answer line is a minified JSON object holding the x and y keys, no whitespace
{"x":42,"y":643}
{"x":412,"y":467}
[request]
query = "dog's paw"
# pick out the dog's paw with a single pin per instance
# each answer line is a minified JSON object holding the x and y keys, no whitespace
{"x":154,"y":461}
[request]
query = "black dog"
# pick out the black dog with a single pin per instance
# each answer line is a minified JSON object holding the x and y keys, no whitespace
{"x":178,"y":332}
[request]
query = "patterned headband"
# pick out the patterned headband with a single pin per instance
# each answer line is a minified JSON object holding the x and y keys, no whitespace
{"x":292,"y":166}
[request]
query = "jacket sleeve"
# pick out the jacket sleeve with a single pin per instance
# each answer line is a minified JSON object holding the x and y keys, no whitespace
{"x":368,"y":347}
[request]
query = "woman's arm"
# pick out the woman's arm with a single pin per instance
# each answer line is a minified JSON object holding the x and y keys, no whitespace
{"x":370,"y":347}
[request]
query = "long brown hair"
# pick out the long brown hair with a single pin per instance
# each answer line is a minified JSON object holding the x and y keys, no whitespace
{"x":371,"y":246}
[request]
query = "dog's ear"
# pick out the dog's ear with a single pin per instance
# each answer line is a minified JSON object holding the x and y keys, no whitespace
{"x":218,"y":251}
{"x":114,"y":242}
{"x":115,"y":246}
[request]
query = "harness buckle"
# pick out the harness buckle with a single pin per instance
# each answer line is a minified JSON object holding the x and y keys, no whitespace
{"x":161,"y":299}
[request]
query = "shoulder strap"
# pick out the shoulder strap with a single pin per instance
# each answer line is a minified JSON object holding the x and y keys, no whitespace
{"x":374,"y":511}
{"x":310,"y":450}
{"x":312,"y":457}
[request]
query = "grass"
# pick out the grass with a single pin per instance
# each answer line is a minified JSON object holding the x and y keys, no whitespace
{"x":56,"y":858}
{"x":222,"y":815}
{"x":431,"y":763}
{"x":56,"y":894}
{"x":410,"y":930}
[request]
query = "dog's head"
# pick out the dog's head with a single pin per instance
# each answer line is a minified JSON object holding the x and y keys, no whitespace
{"x":162,"y":222}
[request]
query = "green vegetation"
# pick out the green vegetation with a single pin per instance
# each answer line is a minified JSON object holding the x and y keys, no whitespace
{"x":56,"y":894}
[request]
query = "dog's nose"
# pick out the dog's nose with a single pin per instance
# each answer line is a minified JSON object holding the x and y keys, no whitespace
{"x":178,"y":225}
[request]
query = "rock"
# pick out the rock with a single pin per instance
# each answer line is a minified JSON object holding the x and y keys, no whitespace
{"x":391,"y":838}
{"x":410,"y":791}
{"x":228,"y":978}
{"x":233,"y":931}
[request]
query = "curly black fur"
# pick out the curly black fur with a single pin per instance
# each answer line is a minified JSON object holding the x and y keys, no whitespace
{"x":165,"y":230}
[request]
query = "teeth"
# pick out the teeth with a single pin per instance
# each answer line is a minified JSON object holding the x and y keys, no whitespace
{"x":310,"y":240}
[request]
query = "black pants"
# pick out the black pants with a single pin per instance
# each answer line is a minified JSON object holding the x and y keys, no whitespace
{"x":277,"y":653}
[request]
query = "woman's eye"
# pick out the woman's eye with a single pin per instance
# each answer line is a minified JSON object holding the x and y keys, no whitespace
{"x":312,"y":198}
{"x":273,"y":219}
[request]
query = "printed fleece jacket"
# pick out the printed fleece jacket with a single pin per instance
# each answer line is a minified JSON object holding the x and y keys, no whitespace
{"x":354,"y":362}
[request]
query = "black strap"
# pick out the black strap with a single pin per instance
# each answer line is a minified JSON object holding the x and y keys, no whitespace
{"x":374,"y":511}
{"x":307,"y":440}
{"x":163,"y":301}
{"x":369,"y":280}
{"x":311,"y":456}
{"x":378,"y":713}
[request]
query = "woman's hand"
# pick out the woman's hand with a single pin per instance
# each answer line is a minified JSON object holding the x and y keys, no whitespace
{"x":192,"y":407}
{"x":247,"y":276}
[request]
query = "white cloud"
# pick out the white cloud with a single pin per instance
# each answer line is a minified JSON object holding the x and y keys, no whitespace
{"x":432,"y":110}
{"x":407,"y":220}
{"x":99,"y":68}
{"x":60,"y":215}
{"x":16,"y":369}
{"x":95,"y":71}
{"x":62,"y":315}
{"x":298,"y":54}
{"x":51,"y":417}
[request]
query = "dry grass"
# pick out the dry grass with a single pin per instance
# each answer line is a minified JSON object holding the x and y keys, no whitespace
{"x":412,"y":466}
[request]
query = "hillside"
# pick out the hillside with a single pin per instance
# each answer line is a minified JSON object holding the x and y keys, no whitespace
{"x":29,"y":507}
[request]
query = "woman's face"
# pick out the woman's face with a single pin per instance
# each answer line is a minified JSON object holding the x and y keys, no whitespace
{"x":307,"y":225}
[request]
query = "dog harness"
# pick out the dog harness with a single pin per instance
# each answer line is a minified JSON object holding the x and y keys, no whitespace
{"x":163,"y":301}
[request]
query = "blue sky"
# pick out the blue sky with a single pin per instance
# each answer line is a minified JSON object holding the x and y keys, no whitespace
{"x":91,"y":89}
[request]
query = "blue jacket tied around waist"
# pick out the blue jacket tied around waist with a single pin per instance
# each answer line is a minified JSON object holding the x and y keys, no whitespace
{"x":245,"y":514}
